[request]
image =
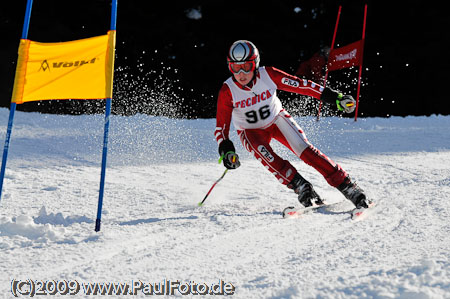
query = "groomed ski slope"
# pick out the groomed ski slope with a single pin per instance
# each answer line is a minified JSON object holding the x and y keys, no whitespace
{"x":152,"y":230}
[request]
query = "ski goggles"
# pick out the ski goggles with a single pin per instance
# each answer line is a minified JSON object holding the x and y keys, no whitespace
{"x":246,"y":67}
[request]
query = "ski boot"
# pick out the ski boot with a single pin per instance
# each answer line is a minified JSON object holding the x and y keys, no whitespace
{"x":306,"y":194}
{"x":356,"y":195}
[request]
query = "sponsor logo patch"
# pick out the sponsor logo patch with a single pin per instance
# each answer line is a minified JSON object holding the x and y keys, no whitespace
{"x":290,"y":82}
{"x":263,"y":150}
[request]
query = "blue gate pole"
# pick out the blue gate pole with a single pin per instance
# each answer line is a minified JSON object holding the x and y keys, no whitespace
{"x":103,"y":171}
{"x":105,"y":136}
{"x":12,"y":109}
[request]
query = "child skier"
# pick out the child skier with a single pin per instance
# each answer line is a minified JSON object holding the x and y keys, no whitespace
{"x":249,"y":98}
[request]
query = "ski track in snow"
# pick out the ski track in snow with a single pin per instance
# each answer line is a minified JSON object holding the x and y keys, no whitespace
{"x":152,"y":230}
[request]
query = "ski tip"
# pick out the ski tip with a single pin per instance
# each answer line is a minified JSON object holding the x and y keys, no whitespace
{"x":290,"y":212}
{"x":362,"y":213}
{"x":200,"y":204}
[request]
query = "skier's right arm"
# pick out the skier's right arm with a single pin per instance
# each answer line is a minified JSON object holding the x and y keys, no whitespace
{"x":223,"y":116}
{"x":227,"y":151}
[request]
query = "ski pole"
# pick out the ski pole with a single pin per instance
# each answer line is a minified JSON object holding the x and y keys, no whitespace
{"x":225,"y":172}
{"x":207,"y":194}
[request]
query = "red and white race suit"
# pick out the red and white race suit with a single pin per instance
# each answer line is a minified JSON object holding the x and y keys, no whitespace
{"x":259,"y":117}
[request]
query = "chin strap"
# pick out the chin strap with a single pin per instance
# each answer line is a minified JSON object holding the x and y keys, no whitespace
{"x":250,"y":84}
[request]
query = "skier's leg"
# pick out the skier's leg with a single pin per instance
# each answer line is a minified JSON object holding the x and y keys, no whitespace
{"x":257,"y":142}
{"x":331,"y":171}
{"x":292,"y":136}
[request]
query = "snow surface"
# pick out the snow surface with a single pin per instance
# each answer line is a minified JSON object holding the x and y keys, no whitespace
{"x":153,"y":230}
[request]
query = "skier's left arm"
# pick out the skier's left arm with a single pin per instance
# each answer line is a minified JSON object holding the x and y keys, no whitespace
{"x":343,"y":102}
{"x":290,"y":83}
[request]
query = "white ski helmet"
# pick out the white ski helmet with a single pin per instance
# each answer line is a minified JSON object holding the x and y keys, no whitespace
{"x":242,"y":51}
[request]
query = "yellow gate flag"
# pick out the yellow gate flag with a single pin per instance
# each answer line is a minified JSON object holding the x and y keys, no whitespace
{"x":80,"y":69}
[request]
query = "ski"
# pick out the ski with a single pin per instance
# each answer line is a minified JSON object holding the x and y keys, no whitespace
{"x":355,"y":214}
{"x":296,"y":212}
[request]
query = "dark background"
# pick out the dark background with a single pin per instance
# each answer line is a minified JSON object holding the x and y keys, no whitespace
{"x":170,"y":64}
